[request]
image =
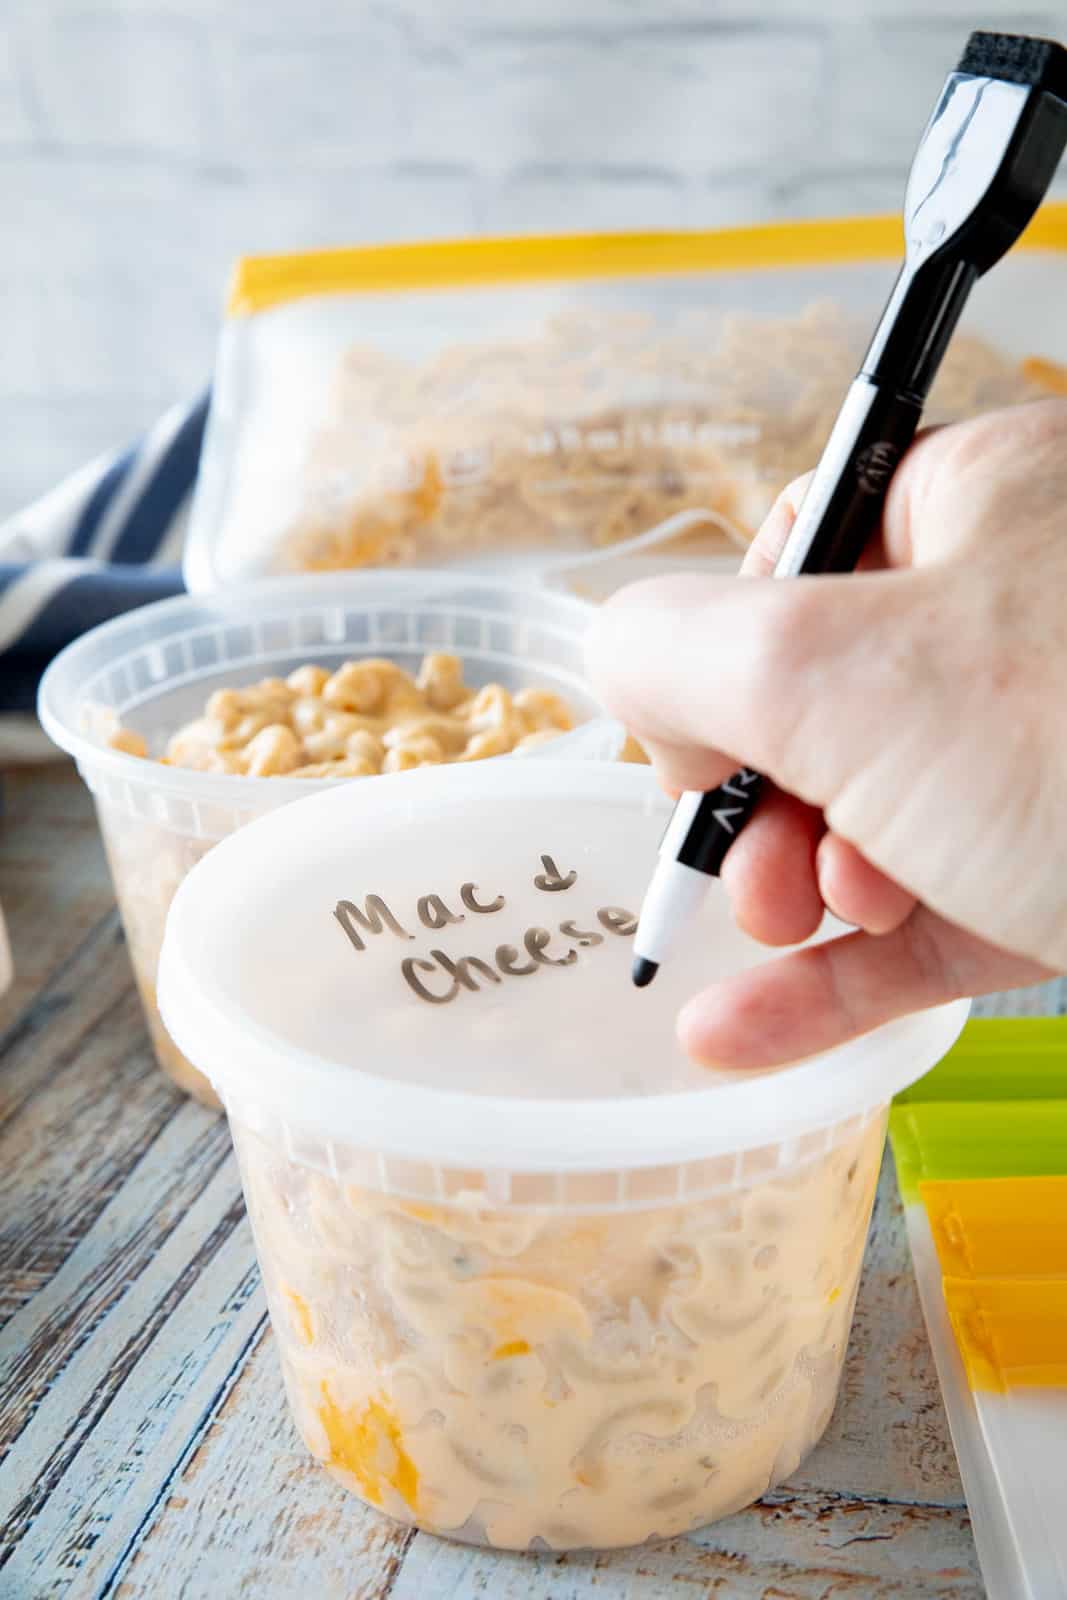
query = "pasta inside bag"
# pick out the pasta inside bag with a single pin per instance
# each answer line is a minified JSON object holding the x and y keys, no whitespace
{"x":537,"y":401}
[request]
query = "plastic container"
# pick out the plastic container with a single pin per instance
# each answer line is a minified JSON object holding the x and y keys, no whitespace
{"x":154,"y":669}
{"x":537,"y":1280}
{"x":999,"y":1227}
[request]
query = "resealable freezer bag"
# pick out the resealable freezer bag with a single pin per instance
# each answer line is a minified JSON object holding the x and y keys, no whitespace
{"x":535,"y":401}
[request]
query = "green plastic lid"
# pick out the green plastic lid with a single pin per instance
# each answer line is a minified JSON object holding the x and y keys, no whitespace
{"x":1000,"y":1058}
{"x":978,"y":1139}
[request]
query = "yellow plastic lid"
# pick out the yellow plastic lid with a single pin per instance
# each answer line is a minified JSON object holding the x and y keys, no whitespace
{"x":998,"y":1227}
{"x":1011,"y":1332}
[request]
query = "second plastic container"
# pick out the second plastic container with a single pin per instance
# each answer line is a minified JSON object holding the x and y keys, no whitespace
{"x":154,"y":669}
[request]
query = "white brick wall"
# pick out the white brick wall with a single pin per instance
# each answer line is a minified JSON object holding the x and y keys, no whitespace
{"x":145,"y":143}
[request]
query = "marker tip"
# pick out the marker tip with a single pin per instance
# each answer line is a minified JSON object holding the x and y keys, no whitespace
{"x":644,"y":971}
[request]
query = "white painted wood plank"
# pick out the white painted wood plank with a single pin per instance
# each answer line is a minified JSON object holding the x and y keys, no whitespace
{"x":55,"y":1460}
{"x":50,"y":1032}
{"x":253,"y":1512}
{"x":41,"y":1342}
{"x":1039,"y":1000}
{"x":86,"y":1103}
{"x":54,"y":880}
{"x":804,"y":1548}
{"x":79,"y":1538}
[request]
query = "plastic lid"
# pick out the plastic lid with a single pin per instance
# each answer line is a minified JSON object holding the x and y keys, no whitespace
{"x":998,"y":1227}
{"x":1000,"y":1058}
{"x":436,"y":965}
{"x":1011,"y":1332}
{"x":978,"y":1139}
{"x":1009,"y":1448}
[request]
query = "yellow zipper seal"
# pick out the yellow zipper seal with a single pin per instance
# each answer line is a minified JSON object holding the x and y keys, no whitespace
{"x":260,"y":282}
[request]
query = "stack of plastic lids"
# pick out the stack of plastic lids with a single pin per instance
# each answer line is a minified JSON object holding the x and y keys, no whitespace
{"x":981,"y":1152}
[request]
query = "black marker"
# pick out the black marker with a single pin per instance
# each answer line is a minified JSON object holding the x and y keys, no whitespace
{"x":982,"y":169}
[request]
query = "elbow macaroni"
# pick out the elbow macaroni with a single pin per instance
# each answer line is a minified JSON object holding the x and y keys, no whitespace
{"x":553,"y":1377}
{"x":593,"y":429}
{"x":368,"y":717}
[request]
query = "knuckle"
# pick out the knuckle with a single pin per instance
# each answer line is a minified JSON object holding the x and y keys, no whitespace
{"x":786,"y":630}
{"x":783,"y":630}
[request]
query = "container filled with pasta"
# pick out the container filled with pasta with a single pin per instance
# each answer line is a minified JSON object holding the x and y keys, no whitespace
{"x":191,"y":717}
{"x":537,"y":1281}
{"x":532,"y":403}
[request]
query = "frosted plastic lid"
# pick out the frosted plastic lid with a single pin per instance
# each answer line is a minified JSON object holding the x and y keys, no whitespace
{"x":436,"y":964}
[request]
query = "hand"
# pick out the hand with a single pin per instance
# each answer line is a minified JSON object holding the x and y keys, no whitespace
{"x":913,"y":719}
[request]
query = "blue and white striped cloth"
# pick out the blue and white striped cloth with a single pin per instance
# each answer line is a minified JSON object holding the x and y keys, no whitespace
{"x":105,"y":541}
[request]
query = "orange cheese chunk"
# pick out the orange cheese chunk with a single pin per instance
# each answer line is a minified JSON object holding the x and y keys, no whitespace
{"x":301,"y":1314}
{"x":516,"y":1347}
{"x":369,"y":1445}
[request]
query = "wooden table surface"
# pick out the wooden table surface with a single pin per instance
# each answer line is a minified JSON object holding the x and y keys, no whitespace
{"x":145,"y":1445}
